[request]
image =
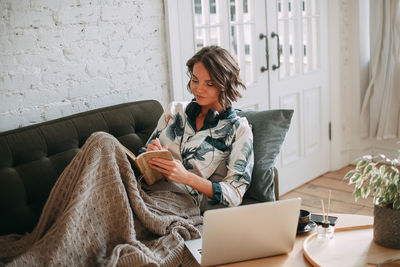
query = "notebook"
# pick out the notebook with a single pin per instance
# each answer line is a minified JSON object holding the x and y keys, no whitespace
{"x":246,"y":232}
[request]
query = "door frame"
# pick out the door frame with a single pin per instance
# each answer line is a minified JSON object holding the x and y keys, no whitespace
{"x":178,"y":48}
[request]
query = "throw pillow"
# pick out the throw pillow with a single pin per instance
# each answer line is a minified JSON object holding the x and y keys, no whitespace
{"x":269,"y":130}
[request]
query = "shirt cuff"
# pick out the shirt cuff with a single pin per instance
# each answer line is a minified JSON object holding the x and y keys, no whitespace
{"x":217,"y":194}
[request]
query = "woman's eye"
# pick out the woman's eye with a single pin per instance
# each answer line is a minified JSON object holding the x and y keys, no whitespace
{"x":195,"y":81}
{"x":210,"y":84}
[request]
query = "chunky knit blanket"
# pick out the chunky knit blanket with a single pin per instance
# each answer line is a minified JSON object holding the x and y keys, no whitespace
{"x":98,"y":215}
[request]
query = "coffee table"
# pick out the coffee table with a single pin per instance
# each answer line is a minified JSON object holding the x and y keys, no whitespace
{"x":296,"y":257}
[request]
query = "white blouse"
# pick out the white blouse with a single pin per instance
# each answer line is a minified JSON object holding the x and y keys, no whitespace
{"x":202,"y":151}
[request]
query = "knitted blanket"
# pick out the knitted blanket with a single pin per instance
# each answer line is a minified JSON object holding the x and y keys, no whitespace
{"x":97,"y":214}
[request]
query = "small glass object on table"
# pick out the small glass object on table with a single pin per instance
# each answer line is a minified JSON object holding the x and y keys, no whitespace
{"x":325,"y":231}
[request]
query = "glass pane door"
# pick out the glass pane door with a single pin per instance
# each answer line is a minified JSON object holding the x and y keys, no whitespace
{"x":299,"y":81}
{"x":236,"y":25}
{"x":242,"y":35}
{"x":298,"y":29}
{"x":208,"y":23}
{"x":311,"y":35}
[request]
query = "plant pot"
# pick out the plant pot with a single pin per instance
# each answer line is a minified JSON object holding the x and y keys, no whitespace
{"x":387,"y":227}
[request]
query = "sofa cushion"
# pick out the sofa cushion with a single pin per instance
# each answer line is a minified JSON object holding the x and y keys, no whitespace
{"x":33,"y":157}
{"x":269,"y":130}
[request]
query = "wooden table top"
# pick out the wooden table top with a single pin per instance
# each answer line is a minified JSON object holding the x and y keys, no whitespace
{"x":295,"y":257}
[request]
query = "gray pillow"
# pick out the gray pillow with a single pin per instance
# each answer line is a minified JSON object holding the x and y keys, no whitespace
{"x":269,"y":130}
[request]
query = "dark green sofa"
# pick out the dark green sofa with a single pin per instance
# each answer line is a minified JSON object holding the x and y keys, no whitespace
{"x":33,"y":157}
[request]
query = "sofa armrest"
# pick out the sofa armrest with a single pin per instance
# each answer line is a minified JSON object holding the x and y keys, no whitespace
{"x":33,"y":157}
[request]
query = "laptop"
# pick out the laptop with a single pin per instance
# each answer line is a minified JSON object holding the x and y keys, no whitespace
{"x":246,"y":232}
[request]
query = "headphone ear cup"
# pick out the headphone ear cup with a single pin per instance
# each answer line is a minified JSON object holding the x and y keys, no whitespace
{"x":192,"y":110}
{"x":211,"y":118}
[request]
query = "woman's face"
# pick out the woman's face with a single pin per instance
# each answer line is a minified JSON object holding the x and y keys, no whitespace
{"x":204,"y":88}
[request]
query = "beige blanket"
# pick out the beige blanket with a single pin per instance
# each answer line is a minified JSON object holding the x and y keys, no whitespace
{"x":97,"y":214}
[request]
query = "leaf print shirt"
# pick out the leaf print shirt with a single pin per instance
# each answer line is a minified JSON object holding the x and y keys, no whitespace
{"x":202,"y":151}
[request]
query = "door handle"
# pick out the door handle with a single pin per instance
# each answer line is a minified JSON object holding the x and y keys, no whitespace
{"x":263,"y":36}
{"x":273,"y":35}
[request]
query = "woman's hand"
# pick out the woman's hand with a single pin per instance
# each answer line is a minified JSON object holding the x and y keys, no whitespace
{"x":156,"y":145}
{"x":173,"y":170}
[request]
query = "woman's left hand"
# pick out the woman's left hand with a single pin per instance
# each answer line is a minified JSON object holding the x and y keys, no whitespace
{"x":173,"y":170}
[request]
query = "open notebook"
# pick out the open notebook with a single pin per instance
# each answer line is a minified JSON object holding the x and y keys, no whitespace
{"x":246,"y":232}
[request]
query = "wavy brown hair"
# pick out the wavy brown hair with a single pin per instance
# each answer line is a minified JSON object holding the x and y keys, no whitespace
{"x":224,"y":71}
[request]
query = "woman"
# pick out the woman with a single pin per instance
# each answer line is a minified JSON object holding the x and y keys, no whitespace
{"x":206,"y":132}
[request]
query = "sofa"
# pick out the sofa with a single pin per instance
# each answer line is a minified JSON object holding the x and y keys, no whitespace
{"x":33,"y":157}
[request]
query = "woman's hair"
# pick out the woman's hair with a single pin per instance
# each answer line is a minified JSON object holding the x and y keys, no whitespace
{"x":223,"y":69}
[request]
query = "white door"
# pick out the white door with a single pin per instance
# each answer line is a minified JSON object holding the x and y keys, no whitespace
{"x":250,"y":29}
{"x":236,"y":26}
{"x":299,"y":80}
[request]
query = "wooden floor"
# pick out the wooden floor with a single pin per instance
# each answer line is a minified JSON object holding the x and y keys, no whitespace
{"x":342,"y":200}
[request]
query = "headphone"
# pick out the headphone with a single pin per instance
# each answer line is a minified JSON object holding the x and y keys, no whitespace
{"x":193,"y":110}
{"x":212,"y":118}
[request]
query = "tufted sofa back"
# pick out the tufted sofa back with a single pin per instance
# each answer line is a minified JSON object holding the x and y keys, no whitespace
{"x":33,"y":157}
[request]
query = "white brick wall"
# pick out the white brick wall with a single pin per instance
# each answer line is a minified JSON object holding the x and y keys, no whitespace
{"x":60,"y":57}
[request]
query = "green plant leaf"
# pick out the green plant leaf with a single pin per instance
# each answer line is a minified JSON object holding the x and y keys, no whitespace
{"x":362,"y":163}
{"x":357,"y":194}
{"x":386,"y":180}
{"x":349,"y":174}
{"x":394,"y":169}
{"x":374,"y":178}
{"x":359,"y":183}
{"x":389,"y":193}
{"x":389,"y":198}
{"x":377,"y":191}
{"x":393,"y":176}
{"x":381,"y":200}
{"x":378,"y":182}
{"x":368,"y":169}
{"x":354,"y":178}
{"x":383,"y":169}
{"x":392,"y":189}
{"x":365,"y":191}
{"x":396,"y":204}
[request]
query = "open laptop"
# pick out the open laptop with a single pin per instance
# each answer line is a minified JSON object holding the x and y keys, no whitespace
{"x":246,"y":232}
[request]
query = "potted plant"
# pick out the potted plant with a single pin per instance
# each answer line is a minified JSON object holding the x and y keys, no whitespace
{"x":380,"y":176}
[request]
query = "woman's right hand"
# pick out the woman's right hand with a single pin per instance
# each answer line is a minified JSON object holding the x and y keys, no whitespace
{"x":156,"y":145}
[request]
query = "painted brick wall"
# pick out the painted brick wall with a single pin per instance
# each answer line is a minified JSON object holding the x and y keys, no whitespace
{"x":60,"y":57}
